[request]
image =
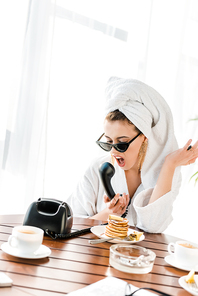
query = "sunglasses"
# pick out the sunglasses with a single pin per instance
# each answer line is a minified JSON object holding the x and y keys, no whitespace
{"x":120,"y":147}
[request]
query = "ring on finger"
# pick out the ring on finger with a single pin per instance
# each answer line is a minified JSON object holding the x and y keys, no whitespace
{"x":122,"y":208}
{"x":189,"y":147}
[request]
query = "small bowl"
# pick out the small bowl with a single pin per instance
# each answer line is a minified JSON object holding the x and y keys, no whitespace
{"x":131,"y":259}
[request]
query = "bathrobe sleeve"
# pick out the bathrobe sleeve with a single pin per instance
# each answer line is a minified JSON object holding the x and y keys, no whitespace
{"x":87,"y":199}
{"x":156,"y":217}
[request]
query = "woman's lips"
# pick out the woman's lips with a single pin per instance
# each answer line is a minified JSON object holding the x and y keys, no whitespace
{"x":120,"y":160}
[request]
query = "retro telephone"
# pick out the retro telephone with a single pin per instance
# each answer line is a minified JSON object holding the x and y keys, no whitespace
{"x":55,"y":217}
{"x":107,"y":171}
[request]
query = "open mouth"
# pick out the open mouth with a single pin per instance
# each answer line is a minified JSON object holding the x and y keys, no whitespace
{"x":120,"y":161}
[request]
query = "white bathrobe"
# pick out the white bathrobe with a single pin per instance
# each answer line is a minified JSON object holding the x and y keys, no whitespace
{"x":87,"y":199}
{"x":149,"y":112}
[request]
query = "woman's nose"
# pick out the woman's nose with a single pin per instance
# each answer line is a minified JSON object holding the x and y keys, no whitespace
{"x":113,"y":150}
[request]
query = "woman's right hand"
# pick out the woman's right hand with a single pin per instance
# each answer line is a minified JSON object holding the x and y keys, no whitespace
{"x":118,"y":204}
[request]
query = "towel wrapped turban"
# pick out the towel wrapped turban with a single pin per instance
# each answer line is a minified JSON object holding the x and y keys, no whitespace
{"x":150,"y":113}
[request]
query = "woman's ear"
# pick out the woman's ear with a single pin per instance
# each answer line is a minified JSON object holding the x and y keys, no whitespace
{"x":145,"y":139}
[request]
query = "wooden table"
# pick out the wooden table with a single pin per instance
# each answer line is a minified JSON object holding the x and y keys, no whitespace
{"x":74,"y":263}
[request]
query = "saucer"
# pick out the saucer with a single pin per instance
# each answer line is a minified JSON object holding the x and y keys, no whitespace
{"x":100,"y":230}
{"x":185,"y":285}
{"x":42,"y":252}
{"x":172,"y":261}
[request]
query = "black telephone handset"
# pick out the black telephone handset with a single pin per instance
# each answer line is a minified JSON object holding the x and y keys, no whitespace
{"x":107,"y":171}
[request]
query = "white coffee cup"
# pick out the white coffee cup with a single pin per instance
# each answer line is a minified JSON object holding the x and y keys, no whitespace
{"x":27,"y":239}
{"x":186,"y":253}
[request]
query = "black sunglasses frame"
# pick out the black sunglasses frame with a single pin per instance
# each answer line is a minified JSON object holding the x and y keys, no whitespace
{"x":115,"y":146}
{"x":150,"y":289}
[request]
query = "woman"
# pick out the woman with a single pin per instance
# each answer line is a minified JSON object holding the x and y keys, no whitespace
{"x":147,"y":169}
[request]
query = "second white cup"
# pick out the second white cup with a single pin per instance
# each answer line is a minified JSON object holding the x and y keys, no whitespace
{"x":186,"y":253}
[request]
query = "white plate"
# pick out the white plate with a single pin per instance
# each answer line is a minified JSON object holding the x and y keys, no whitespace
{"x":100,"y":230}
{"x":42,"y":252}
{"x":172,"y":261}
{"x":185,"y":285}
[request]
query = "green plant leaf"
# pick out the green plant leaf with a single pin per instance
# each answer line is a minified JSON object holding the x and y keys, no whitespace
{"x":194,"y":176}
{"x":193,"y":119}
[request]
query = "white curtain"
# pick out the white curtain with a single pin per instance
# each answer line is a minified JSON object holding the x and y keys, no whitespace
{"x":54,"y":108}
{"x":23,"y":138}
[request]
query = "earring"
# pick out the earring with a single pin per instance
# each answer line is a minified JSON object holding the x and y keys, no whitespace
{"x":112,"y":160}
{"x":142,"y":154}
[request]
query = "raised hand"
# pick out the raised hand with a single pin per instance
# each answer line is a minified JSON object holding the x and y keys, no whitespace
{"x":183,"y":156}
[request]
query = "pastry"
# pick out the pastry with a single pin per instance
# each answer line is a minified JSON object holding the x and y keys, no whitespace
{"x":117,"y":227}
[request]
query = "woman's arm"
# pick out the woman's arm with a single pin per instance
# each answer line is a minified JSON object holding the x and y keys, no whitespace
{"x":178,"y":158}
{"x":103,"y":215}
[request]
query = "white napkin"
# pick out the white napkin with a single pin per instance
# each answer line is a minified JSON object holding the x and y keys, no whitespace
{"x":109,"y":286}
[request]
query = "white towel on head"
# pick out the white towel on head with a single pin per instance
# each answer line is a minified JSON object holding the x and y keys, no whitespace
{"x":149,"y":112}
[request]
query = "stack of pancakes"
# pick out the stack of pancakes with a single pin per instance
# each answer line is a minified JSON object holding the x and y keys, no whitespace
{"x":117,"y":227}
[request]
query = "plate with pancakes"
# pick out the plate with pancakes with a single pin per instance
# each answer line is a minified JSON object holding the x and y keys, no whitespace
{"x":119,"y":230}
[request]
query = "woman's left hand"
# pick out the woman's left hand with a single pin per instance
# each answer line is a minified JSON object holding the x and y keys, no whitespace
{"x":183,"y":156}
